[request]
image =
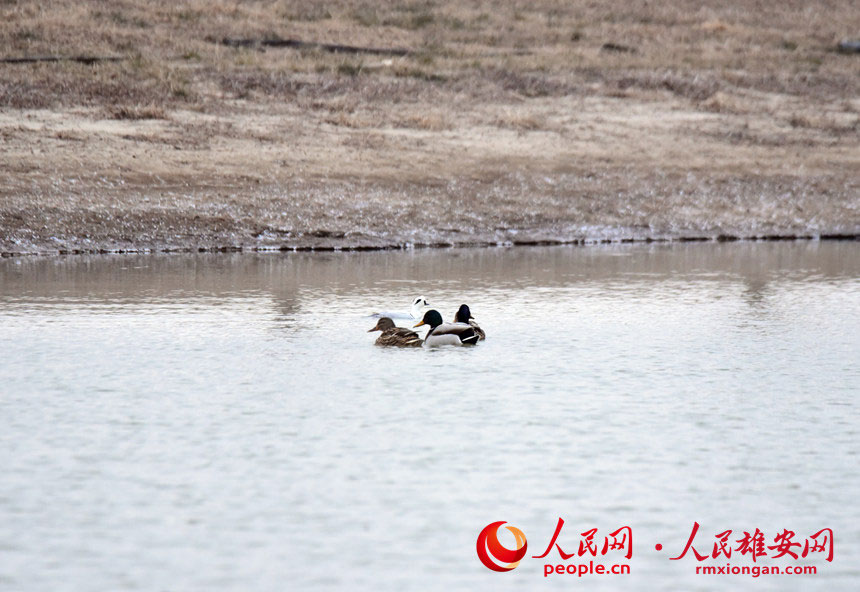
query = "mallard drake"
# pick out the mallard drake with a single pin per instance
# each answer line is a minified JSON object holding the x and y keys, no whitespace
{"x":396,"y":336}
{"x":464,"y":315}
{"x":446,"y":333}
{"x":419,"y":307}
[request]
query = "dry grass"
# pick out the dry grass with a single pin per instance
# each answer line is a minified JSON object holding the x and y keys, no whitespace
{"x":519,"y":121}
{"x":527,"y":49}
{"x":138,"y":112}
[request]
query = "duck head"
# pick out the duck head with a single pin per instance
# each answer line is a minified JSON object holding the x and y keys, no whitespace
{"x":382,"y":324}
{"x":431,"y":318}
{"x":463,"y":314}
{"x":419,"y":306}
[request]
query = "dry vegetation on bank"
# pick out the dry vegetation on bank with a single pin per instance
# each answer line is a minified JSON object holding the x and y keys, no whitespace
{"x":505,"y":121}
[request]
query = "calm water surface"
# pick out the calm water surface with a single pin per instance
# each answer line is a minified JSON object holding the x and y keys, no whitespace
{"x":225,"y":423}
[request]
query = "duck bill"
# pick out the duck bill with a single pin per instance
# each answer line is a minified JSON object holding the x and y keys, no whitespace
{"x":418,"y":325}
{"x":372,"y":330}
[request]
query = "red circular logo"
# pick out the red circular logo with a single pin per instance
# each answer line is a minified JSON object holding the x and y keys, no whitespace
{"x":495,"y":556}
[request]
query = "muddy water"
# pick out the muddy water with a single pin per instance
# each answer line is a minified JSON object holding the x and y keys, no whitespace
{"x":225,"y":423}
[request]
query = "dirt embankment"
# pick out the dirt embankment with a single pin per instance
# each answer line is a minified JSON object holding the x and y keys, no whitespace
{"x":504,"y":122}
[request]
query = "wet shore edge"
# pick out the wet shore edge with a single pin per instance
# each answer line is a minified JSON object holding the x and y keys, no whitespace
{"x":407,"y":246}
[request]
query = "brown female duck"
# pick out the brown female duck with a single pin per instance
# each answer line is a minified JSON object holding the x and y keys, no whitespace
{"x":395,"y":336}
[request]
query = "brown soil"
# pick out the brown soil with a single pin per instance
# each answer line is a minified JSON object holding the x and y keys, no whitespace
{"x":507,"y":122}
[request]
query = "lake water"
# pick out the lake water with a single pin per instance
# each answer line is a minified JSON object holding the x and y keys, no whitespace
{"x":224,"y":422}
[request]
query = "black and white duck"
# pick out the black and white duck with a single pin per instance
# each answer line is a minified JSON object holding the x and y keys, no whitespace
{"x":419,"y":307}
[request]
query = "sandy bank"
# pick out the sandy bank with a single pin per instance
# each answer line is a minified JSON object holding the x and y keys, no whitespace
{"x":707,"y":123}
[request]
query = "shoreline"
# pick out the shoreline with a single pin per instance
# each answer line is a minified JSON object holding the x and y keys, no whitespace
{"x":836,"y":237}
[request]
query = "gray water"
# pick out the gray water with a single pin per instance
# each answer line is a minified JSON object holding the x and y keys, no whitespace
{"x":223,"y":422}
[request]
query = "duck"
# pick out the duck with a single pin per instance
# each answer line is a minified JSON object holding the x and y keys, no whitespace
{"x":442,"y":333}
{"x":395,"y":336}
{"x":464,"y":315}
{"x":419,"y":307}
